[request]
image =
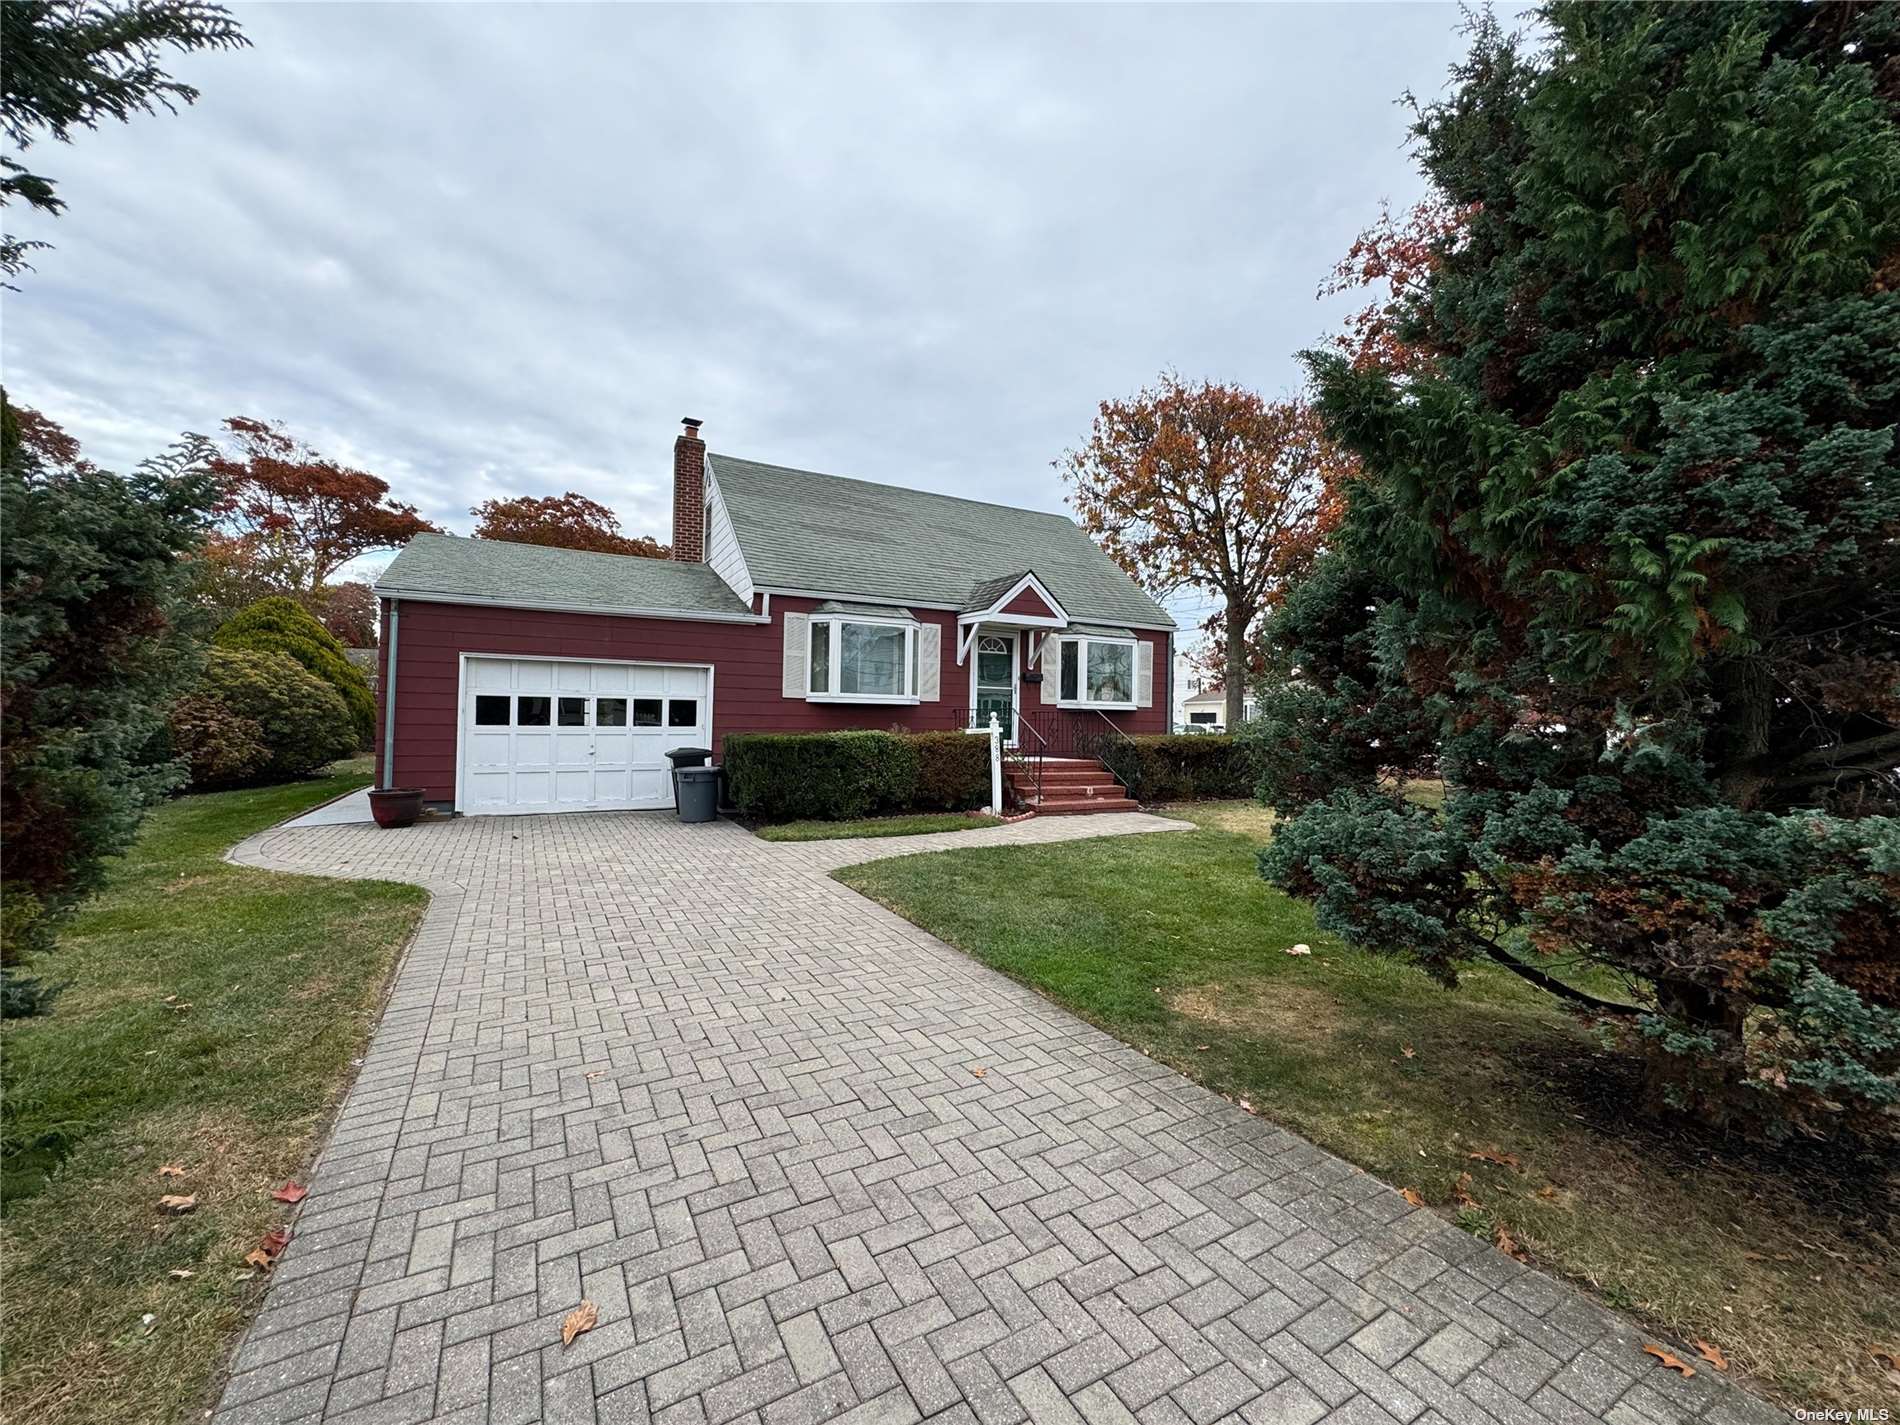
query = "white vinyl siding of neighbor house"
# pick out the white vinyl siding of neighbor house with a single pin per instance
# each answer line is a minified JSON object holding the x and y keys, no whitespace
{"x":723,"y":555}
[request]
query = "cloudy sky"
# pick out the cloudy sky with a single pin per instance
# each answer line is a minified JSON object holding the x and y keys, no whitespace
{"x":496,"y":250}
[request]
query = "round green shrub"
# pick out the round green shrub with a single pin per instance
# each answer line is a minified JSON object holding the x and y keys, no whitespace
{"x":221,"y":746}
{"x":300,"y":718}
{"x":280,"y":625}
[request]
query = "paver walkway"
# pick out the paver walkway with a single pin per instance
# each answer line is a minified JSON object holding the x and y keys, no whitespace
{"x":681,"y":1073}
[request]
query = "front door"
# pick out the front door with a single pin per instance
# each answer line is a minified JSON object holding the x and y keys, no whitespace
{"x":995,"y":683}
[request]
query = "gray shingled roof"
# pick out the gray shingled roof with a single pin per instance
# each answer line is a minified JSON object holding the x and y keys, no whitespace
{"x":988,"y":591}
{"x":827,"y":534}
{"x":501,"y":572}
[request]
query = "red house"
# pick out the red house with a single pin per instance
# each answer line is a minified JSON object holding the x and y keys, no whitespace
{"x":519,"y":678}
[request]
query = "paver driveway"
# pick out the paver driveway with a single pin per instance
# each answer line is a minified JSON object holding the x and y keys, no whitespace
{"x":681,"y":1073}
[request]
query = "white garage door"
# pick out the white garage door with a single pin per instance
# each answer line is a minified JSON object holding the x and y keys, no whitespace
{"x":547,"y":735}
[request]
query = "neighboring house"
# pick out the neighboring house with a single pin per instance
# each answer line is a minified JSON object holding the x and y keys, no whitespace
{"x":528,"y":678}
{"x":1206,"y":710}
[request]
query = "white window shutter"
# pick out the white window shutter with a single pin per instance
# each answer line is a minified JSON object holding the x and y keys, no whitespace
{"x":930,"y":663}
{"x":797,"y":641}
{"x":1051,"y":670}
{"x":1144,"y":673}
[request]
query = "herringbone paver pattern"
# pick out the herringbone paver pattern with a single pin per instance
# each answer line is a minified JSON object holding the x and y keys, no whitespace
{"x":680,"y":1072}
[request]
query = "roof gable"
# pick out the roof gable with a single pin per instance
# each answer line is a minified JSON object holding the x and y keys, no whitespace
{"x":824,"y":534}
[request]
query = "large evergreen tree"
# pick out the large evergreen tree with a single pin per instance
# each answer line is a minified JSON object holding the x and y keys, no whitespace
{"x":1624,"y":558}
{"x":93,"y":645}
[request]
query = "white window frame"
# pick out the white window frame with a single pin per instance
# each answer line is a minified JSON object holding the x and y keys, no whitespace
{"x":1082,"y":700}
{"x":834,"y":626}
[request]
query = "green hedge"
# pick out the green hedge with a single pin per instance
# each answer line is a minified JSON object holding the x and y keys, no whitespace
{"x":835,"y":776}
{"x":1184,"y":768}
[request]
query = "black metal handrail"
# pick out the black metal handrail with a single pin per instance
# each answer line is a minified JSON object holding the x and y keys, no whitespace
{"x":1022,"y":764}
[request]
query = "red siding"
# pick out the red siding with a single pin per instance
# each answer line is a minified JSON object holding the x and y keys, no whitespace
{"x":747,"y":660}
{"x":1030,"y":603}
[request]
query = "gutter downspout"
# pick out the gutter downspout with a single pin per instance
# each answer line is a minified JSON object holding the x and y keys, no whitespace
{"x":389,"y":699}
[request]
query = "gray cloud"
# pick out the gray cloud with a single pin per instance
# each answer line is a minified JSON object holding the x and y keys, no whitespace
{"x":501,"y":249}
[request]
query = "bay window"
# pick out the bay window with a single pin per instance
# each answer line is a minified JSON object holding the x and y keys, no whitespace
{"x":1097,"y":673}
{"x":862,"y":660}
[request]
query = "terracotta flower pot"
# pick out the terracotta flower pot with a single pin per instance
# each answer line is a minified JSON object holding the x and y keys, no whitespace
{"x":395,"y":806}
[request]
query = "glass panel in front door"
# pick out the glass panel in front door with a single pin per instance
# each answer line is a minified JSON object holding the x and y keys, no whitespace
{"x":995,"y":683}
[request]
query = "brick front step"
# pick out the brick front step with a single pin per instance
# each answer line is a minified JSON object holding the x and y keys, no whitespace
{"x":1072,"y":786}
{"x":1079,"y":806}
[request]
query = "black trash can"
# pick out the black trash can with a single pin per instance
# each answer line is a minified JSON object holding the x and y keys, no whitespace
{"x":686,"y":757}
{"x":696,"y":793}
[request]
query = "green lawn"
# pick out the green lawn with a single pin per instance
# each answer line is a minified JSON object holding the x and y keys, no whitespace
{"x":1174,"y":944}
{"x":212,"y":1017}
{"x":877,"y":826}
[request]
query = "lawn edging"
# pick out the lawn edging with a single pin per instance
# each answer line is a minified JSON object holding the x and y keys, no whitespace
{"x":872,"y":827}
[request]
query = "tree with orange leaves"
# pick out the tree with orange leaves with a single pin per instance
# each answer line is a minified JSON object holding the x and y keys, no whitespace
{"x":570,"y":521}
{"x":1211,"y":487}
{"x":1394,"y":259}
{"x":278,"y":490}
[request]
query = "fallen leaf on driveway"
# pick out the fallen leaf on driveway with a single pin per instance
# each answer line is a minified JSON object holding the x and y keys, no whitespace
{"x":291,"y":1192}
{"x":979,"y":1071}
{"x":258,"y":1257}
{"x":1491,"y":1155}
{"x":582,"y":1318}
{"x":1668,"y":1361}
{"x":174,"y":1204}
{"x":1712,"y":1354}
{"x":171,"y":1170}
{"x":276,"y":1240}
{"x":593,"y":1074}
{"x":1411,"y":1195}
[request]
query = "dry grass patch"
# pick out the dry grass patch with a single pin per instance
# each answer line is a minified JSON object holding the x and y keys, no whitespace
{"x":1278,"y":1010}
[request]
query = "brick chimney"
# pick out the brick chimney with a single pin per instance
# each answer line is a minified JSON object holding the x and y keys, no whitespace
{"x":689,"y":494}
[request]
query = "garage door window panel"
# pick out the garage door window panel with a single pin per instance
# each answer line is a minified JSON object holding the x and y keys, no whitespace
{"x":610,"y":712}
{"x":532,"y":712}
